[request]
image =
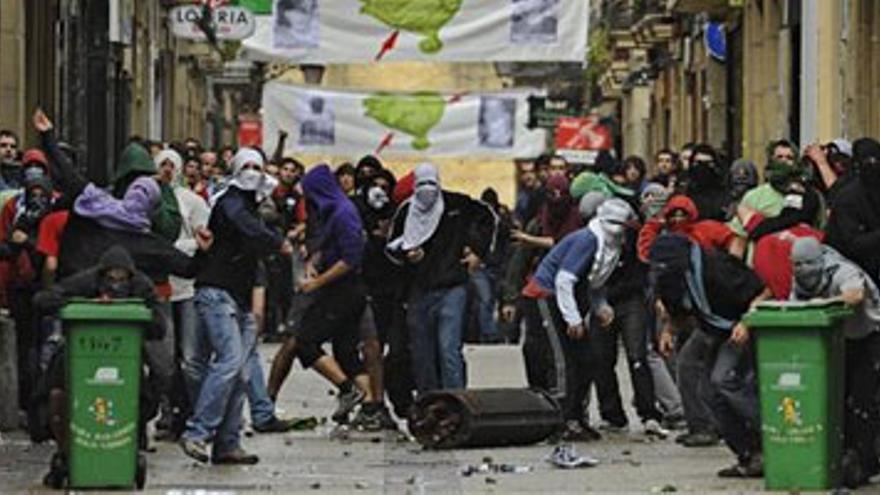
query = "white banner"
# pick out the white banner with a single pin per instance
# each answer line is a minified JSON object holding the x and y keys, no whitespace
{"x":324,"y":121}
{"x":358,"y":31}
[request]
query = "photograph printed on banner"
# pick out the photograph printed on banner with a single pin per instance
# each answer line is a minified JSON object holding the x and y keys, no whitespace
{"x":296,"y":24}
{"x":316,"y":122}
{"x":496,"y":122}
{"x":534,"y":21}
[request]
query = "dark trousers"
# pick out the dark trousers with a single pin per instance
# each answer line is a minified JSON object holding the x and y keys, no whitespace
{"x":569,"y":373}
{"x":390,"y":316}
{"x":630,"y":324}
{"x":721,"y":376}
{"x":862,"y":412}
{"x":735,"y":398}
{"x":693,"y":361}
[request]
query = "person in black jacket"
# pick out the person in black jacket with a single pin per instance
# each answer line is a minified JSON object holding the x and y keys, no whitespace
{"x":214,"y":360}
{"x":114,"y":277}
{"x":443,"y":237}
{"x":385,"y":295}
{"x":717,"y":290}
{"x":854,"y":226}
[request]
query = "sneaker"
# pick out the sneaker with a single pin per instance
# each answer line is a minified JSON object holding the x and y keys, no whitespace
{"x":56,"y":478}
{"x":566,"y":457}
{"x":275,"y":425}
{"x":366,"y":421}
{"x":674,"y":422}
{"x":347,"y":402}
{"x":753,"y":468}
{"x":237,"y":456}
{"x":196,"y":449}
{"x":700,"y":439}
{"x":577,"y":432}
{"x":654,"y":429}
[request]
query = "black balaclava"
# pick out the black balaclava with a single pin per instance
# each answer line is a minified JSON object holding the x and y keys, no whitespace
{"x":115,"y":257}
{"x":866,"y":155}
{"x":670,"y":262}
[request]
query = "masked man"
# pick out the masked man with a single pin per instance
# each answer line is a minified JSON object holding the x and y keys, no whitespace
{"x":821,"y":272}
{"x":442,"y":237}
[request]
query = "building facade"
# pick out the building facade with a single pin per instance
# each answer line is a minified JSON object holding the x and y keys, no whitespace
{"x":805,"y":70}
{"x":107,"y":70}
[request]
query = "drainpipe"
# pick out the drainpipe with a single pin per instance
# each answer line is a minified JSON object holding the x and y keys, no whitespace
{"x":809,"y":103}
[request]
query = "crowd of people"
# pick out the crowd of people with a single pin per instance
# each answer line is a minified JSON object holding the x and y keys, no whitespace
{"x":232,"y":247}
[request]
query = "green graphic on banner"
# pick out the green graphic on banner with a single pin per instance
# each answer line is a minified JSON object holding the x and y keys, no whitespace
{"x":423,"y":17}
{"x":258,"y":7}
{"x":414,"y":114}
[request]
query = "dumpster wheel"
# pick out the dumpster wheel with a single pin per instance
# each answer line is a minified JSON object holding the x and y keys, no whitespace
{"x":140,"y":477}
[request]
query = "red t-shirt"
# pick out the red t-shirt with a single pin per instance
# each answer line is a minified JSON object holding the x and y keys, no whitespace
{"x":772,"y":255}
{"x":51,"y":230}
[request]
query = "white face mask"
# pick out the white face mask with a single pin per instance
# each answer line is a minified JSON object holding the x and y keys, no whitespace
{"x":250,"y":179}
{"x":614,"y":230}
{"x":377,"y":198}
{"x":427,"y":196}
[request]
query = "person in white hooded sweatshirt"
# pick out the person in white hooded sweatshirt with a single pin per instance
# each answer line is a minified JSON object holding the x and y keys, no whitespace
{"x":194,"y":213}
{"x":442,"y":237}
{"x":570,"y":277}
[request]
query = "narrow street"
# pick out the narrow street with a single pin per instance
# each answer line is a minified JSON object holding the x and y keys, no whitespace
{"x":313,"y":461}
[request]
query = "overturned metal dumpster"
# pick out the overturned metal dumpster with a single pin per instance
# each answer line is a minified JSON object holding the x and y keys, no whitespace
{"x":447,"y":419}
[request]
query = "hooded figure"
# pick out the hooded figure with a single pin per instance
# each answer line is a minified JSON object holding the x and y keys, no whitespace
{"x":376,"y":199}
{"x":866,"y":154}
{"x":589,"y":203}
{"x":426,"y":207}
{"x":743,"y":175}
{"x":680,"y":216}
{"x":366,"y":168}
{"x":134,"y":163}
{"x":592,"y":181}
{"x":653,"y":199}
{"x":194,"y":213}
{"x":34,"y":204}
{"x":340,"y":225}
{"x":821,"y":272}
{"x":558,"y":215}
{"x":176,"y":160}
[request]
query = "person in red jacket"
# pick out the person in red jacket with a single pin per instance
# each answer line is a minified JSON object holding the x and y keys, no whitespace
{"x":772,"y":251}
{"x":680,"y":215}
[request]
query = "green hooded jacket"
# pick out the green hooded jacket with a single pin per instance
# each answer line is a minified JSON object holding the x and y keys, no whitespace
{"x":136,"y":162}
{"x":591,"y":181}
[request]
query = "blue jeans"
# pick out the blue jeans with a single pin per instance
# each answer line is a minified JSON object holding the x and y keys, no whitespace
{"x":262,"y":407}
{"x":484,"y":300}
{"x":435,"y":320}
{"x":218,"y":385}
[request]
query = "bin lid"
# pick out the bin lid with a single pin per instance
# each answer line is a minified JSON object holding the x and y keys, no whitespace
{"x":116,"y":310}
{"x":824,"y":313}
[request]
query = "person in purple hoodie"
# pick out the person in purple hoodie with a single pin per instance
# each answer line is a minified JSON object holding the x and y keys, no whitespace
{"x":338,"y":290}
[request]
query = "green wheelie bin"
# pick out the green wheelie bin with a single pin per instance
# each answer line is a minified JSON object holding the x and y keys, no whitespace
{"x":800,"y":350}
{"x":103,"y":383}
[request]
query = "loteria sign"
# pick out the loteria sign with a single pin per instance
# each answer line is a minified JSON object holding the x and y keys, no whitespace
{"x":232,"y":22}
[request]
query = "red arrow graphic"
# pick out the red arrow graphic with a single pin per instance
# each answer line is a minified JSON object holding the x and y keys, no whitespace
{"x":388,"y":45}
{"x":386,"y":142}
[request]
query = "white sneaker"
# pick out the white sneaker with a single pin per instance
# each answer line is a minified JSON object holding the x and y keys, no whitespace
{"x":654,"y":429}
